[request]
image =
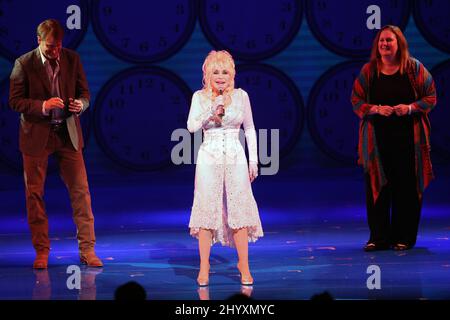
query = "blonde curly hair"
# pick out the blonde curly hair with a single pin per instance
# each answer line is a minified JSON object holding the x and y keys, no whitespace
{"x":217,"y":60}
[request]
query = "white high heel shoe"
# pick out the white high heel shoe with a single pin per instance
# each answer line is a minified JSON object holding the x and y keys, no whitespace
{"x":247,"y":281}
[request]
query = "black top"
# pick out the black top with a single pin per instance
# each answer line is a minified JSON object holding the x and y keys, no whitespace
{"x":391,"y":90}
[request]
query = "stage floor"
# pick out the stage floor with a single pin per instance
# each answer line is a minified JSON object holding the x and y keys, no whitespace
{"x":289,"y":262}
{"x":313,"y":243}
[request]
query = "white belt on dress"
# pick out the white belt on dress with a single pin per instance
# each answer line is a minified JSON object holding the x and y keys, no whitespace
{"x":225,"y":134}
{"x":219,"y":143}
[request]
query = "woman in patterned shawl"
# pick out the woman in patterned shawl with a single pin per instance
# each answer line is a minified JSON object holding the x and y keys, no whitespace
{"x":392,"y":97}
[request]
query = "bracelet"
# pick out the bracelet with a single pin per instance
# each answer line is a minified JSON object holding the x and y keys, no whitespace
{"x":410,"y":110}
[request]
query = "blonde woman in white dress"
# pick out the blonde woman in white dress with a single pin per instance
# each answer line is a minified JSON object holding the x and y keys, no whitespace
{"x":224,"y":209}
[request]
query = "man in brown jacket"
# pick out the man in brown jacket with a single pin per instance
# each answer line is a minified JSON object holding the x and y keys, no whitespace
{"x":49,"y":88}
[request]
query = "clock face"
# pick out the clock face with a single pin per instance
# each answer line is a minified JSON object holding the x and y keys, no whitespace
{"x":135,"y":114}
{"x":9,"y":131}
{"x":331,"y":120}
{"x":19,"y":20}
{"x":143,"y":31}
{"x":440,"y":115}
{"x":433,"y":21}
{"x":251,"y":29}
{"x":344,"y":30}
{"x":276,"y":103}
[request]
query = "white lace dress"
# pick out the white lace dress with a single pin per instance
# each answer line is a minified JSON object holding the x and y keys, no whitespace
{"x":223,"y":197}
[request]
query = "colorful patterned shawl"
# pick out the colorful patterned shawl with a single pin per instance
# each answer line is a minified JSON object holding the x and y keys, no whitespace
{"x":369,"y":157}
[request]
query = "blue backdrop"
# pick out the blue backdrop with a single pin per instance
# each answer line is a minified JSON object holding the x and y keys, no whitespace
{"x":297,"y":60}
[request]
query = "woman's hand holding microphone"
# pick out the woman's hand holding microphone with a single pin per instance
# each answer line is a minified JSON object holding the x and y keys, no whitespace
{"x":219,"y":111}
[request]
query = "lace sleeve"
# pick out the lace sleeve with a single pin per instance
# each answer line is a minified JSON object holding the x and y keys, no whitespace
{"x":198,"y":116}
{"x":249,"y":129}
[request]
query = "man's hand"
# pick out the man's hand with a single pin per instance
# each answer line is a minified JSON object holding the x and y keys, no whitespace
{"x":53,"y":103}
{"x":75,"y":105}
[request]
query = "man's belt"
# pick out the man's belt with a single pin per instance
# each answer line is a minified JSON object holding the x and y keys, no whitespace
{"x":58,"y":126}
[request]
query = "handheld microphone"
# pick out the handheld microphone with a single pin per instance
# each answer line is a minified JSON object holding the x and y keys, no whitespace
{"x":221,"y":105}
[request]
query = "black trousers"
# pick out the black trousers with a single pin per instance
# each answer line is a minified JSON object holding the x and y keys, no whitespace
{"x":395,"y":216}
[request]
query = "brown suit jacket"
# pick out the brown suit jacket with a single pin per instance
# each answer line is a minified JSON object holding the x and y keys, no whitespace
{"x":30,"y":86}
